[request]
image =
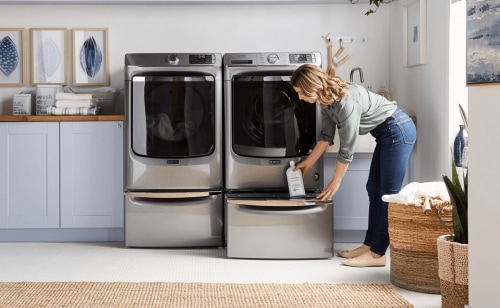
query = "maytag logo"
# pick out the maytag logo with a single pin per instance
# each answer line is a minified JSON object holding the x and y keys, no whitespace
{"x":172,"y":161}
{"x":275,"y":162}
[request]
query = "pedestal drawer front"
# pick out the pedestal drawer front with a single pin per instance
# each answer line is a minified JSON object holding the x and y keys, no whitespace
{"x":173,"y":222}
{"x":304,"y":232}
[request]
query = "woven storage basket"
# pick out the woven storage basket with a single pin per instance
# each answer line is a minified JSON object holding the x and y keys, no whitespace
{"x":453,"y":272}
{"x":413,"y":234}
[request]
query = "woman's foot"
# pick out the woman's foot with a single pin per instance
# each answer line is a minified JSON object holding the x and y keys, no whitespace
{"x":349,"y":254}
{"x":368,"y":259}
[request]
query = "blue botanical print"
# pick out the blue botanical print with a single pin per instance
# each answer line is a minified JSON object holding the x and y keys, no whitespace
{"x":9,"y":57}
{"x":91,"y":57}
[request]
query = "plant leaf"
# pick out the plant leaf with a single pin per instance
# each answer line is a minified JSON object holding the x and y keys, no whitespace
{"x":458,"y":197}
{"x":464,"y":117}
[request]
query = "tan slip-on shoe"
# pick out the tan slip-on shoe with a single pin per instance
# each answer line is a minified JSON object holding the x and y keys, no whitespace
{"x":349,"y":254}
{"x":358,"y":262}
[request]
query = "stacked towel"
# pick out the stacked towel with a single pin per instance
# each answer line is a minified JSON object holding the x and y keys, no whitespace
{"x":74,"y":104}
{"x":52,"y":110}
{"x":73,"y":100}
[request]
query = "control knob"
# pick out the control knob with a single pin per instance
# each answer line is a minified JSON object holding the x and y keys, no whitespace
{"x":272,"y":58}
{"x":173,"y":59}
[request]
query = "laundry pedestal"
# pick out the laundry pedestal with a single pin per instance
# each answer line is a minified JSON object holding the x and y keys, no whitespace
{"x":279,"y":229}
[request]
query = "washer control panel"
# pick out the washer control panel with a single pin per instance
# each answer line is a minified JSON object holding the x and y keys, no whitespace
{"x":271,"y":59}
{"x":278,"y":58}
{"x":302,"y":58}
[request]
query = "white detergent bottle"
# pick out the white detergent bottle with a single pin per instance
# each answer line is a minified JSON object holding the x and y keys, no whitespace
{"x":295,"y":182}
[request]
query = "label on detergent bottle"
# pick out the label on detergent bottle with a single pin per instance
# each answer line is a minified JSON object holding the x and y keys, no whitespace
{"x":295,"y":182}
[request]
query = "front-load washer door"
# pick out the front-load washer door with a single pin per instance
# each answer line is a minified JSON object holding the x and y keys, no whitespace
{"x":269,"y":120}
{"x":173,"y":116}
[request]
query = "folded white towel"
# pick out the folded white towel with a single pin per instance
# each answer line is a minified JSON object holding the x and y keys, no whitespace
{"x":68,"y":96}
{"x":74,"y":111}
{"x":75,"y":103}
{"x":414,"y":193}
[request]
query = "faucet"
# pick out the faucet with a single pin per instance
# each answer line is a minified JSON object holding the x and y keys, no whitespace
{"x":360,"y":74}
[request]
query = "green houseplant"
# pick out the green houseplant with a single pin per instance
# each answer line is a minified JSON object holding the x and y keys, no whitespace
{"x":453,"y":249}
{"x":459,"y":200}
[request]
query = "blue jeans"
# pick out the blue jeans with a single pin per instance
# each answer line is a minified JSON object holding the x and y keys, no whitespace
{"x":394,"y":138}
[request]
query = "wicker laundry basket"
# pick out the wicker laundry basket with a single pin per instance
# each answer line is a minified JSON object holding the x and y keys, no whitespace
{"x":413,"y":248}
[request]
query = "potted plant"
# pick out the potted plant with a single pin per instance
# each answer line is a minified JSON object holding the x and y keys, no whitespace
{"x":453,"y":252}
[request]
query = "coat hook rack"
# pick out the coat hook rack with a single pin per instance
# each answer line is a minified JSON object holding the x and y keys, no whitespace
{"x":344,"y":39}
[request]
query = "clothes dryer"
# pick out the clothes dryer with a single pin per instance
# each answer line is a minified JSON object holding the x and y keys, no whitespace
{"x":173,"y":150}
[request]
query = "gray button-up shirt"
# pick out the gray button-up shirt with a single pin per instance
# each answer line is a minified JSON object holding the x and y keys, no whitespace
{"x":355,"y":114}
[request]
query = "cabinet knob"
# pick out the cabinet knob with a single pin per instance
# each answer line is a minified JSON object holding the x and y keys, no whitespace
{"x":119,"y":125}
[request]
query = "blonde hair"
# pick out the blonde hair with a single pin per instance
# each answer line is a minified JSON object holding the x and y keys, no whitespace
{"x":313,"y":81}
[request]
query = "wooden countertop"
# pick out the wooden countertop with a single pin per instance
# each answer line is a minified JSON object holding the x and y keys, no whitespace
{"x":63,"y":118}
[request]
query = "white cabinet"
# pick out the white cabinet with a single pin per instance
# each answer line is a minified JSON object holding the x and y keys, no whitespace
{"x":350,"y":203}
{"x":61,"y":174}
{"x":29,"y":175}
{"x":91,"y":174}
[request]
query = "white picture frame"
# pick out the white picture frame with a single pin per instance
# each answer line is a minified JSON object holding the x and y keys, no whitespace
{"x":49,"y":56}
{"x":90,"y":57}
{"x":415,"y":33}
{"x":12,"y":57}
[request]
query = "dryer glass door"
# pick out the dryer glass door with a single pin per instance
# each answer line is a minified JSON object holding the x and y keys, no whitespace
{"x":173,"y":116}
{"x":268,"y":118}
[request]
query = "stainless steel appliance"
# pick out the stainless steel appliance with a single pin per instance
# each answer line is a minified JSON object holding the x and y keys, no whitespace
{"x":266,"y":127}
{"x":173,"y":148}
{"x":274,"y":230}
{"x":266,"y":124}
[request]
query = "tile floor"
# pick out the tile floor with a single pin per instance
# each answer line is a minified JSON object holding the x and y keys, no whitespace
{"x":114,"y":262}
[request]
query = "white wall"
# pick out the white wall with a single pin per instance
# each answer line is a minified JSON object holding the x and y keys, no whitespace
{"x":423,"y":90}
{"x":217,"y":28}
{"x":484,"y":208}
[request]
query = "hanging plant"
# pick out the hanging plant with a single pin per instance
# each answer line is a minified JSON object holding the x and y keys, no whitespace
{"x":377,"y":4}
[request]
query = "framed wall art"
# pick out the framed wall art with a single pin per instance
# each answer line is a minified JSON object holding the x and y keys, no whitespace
{"x":12,"y":57}
{"x":90,"y":57}
{"x":415,"y":32}
{"x":483,"y":41}
{"x":49,"y":56}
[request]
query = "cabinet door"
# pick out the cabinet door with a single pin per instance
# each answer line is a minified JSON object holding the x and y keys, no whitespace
{"x":350,"y":203}
{"x":29,"y":175}
{"x":91,"y":174}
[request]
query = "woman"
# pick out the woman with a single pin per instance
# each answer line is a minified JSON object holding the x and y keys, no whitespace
{"x":352,"y":110}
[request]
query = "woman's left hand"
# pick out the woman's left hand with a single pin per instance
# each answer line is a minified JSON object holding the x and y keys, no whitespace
{"x":329,"y":191}
{"x":332,"y":187}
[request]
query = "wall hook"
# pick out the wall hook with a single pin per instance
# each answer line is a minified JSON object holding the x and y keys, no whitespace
{"x":341,"y":49}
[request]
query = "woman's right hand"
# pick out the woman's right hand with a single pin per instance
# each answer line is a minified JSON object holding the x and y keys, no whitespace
{"x":304,"y":166}
{"x":316,"y":153}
